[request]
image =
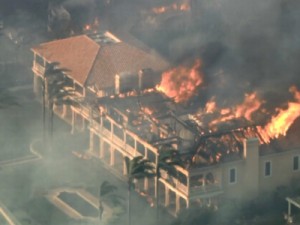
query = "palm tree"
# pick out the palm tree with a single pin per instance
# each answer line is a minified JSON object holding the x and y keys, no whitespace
{"x":137,"y":168}
{"x":50,"y":71}
{"x":168,"y":159}
{"x":57,"y":90}
{"x":107,"y":192}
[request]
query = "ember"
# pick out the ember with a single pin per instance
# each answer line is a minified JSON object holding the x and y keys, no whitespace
{"x":174,"y":7}
{"x":94,"y":27}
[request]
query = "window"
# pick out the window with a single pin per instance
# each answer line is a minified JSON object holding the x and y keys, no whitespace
{"x":296,"y":163}
{"x":140,"y":148}
{"x":268,"y":168}
{"x":232,"y":175}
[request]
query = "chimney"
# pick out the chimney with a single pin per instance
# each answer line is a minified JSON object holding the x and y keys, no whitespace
{"x":117,"y":84}
{"x":250,"y":148}
{"x":140,"y":80}
{"x":146,"y":79}
{"x":251,"y":169}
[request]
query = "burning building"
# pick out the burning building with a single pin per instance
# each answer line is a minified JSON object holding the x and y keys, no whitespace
{"x":227,"y":151}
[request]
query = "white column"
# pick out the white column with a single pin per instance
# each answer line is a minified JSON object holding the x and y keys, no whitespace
{"x":167,"y":196}
{"x":146,"y":184}
{"x":177,"y":204}
{"x":91,"y":147}
{"x":73,"y":121}
{"x":112,"y":156}
{"x":124,"y":167}
{"x":101,"y":150}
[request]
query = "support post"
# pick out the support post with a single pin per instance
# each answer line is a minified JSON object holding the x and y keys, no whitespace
{"x":112,"y":156}
{"x":101,"y":150}
{"x":167,"y":196}
{"x":177,"y":204}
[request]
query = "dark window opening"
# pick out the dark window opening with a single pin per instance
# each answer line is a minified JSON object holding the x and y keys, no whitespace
{"x":232,"y":175}
{"x":268,"y":168}
{"x":296,"y":163}
{"x":140,"y":148}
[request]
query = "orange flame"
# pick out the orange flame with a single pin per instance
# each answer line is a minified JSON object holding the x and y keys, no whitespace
{"x":181,"y":83}
{"x":280,"y":123}
{"x":245,"y":110}
{"x":211,"y":106}
{"x":249,"y":106}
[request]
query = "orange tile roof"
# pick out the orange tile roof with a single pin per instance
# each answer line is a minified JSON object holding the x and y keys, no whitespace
{"x":76,"y":54}
{"x":94,"y":65}
{"x":120,"y":57}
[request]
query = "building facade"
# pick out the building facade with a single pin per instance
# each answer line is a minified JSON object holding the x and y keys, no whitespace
{"x":122,"y":78}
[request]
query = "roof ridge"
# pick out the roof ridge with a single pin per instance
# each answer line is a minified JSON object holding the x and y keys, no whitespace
{"x":93,"y":63}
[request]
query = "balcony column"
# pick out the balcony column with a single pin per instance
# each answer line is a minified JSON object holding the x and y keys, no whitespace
{"x":146,"y":184}
{"x":111,"y":129}
{"x":156,"y":180}
{"x":188,"y":184}
{"x":82,"y":123}
{"x":91,"y":147}
{"x":167,"y":196}
{"x":124,"y":167}
{"x":177,"y":204}
{"x":112,"y":156}
{"x":73,"y":121}
{"x":36,"y":85}
{"x":101,"y":150}
{"x":187,"y":203}
{"x":101,"y":120}
{"x":64,"y":112}
{"x":135,"y":146}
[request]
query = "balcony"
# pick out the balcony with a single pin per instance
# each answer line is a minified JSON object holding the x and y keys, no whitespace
{"x":38,"y":69}
{"x":206,"y":190}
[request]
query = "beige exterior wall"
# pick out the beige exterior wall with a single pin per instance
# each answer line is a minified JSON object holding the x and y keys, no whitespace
{"x":233,"y":190}
{"x":282,"y":172}
{"x":250,"y":172}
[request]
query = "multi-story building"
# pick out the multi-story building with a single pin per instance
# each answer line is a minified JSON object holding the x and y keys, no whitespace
{"x":137,"y":120}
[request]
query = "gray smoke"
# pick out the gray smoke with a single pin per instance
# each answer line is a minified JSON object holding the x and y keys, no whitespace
{"x":245,"y":45}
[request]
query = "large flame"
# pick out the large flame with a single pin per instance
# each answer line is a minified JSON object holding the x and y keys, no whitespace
{"x":181,"y":82}
{"x":281,"y":122}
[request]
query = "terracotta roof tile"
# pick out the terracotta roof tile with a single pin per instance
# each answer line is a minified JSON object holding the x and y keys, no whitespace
{"x":120,"y":57}
{"x":76,"y":54}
